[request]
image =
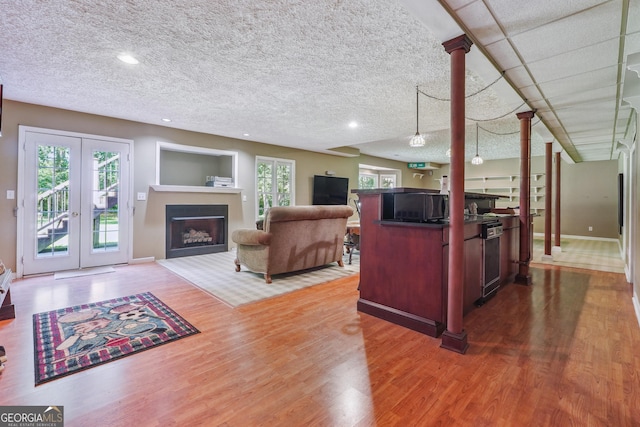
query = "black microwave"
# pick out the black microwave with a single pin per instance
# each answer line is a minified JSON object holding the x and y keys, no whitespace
{"x":420,"y":207}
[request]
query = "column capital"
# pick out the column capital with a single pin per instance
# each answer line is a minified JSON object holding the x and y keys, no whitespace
{"x":525,"y":115}
{"x":460,"y":42}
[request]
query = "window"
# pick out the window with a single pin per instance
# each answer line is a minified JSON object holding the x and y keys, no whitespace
{"x":387,"y":181}
{"x":367,"y":181}
{"x":374,"y":180}
{"x":274,"y":183}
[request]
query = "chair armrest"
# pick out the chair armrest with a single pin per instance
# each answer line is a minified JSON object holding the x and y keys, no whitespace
{"x":245,"y":236}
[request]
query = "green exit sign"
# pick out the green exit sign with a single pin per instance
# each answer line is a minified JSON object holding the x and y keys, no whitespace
{"x":416,"y":165}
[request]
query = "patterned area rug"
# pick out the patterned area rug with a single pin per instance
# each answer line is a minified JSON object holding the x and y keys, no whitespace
{"x":80,"y":337}
{"x":216,"y":274}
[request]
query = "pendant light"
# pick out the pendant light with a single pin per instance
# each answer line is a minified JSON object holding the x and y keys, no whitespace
{"x":417,"y":140}
{"x":477,"y":160}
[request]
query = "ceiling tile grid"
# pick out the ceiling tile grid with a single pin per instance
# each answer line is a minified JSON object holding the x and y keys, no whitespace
{"x":589,"y":58}
{"x":481,"y":23}
{"x":570,"y":33}
{"x":581,"y":82}
{"x":517,"y":17}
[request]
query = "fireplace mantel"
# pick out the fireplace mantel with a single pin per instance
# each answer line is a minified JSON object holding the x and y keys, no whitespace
{"x":193,"y":189}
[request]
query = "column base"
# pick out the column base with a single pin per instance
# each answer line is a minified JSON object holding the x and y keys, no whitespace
{"x":455,"y":342}
{"x":521,"y":279}
{"x":547,"y":258}
{"x":556,"y":249}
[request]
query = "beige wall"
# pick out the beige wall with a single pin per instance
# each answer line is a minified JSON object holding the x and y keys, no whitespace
{"x":588,"y":189}
{"x":633,"y":219}
{"x":588,"y":193}
{"x":148,"y":221}
{"x":590,"y":198}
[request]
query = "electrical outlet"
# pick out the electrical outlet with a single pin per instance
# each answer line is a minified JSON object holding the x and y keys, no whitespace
{"x":142,"y":196}
{"x":590,"y":228}
{"x":11,"y":194}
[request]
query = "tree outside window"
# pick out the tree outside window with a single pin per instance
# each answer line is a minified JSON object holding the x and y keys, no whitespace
{"x":387,"y":181}
{"x":367,"y":181}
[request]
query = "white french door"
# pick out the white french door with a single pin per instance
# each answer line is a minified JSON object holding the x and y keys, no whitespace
{"x":75,"y":199}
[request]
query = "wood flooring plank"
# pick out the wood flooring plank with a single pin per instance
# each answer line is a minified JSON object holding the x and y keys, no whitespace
{"x":562,"y":351}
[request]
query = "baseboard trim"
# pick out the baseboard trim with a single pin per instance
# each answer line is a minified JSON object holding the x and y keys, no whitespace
{"x":636,"y":306}
{"x":627,"y":269}
{"x":627,"y":273}
{"x":546,"y":258}
{"x":420,"y":324}
{"x":569,"y":236}
{"x":142,"y":260}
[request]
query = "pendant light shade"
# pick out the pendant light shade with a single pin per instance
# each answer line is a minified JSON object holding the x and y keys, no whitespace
{"x":477,"y":160}
{"x":417,"y":140}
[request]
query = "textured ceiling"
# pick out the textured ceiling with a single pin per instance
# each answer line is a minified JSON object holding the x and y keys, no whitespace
{"x":296,"y":73}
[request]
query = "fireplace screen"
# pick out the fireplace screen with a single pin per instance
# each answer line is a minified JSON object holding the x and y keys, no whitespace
{"x":196,"y":229}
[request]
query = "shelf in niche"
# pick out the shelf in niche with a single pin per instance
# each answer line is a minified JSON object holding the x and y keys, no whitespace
{"x":506,"y":186}
{"x":180,"y":167}
{"x":510,"y":178}
{"x":500,"y":190}
{"x":490,"y":178}
{"x":193,"y":189}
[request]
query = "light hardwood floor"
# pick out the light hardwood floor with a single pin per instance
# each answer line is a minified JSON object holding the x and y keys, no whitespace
{"x":562,"y":352}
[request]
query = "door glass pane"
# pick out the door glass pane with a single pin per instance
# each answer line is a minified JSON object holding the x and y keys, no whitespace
{"x":52,"y":206}
{"x":284,"y":184}
{"x":106,"y":201}
{"x":265,"y":187}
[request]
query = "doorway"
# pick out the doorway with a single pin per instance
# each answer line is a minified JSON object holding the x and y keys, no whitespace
{"x":73,"y":191}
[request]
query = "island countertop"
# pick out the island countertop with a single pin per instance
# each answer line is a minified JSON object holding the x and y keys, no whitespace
{"x":403,"y":264}
{"x":467,"y":194}
{"x":443,"y":223}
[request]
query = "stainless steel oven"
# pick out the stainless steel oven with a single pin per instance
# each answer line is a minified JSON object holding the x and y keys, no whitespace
{"x":491,"y":232}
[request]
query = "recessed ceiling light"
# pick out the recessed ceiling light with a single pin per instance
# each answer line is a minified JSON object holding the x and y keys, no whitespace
{"x":353,"y":125}
{"x":127,"y":59}
{"x":245,"y":134}
{"x":166,"y":120}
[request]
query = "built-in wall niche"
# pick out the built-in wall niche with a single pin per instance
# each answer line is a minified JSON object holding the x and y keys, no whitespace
{"x":193,"y":168}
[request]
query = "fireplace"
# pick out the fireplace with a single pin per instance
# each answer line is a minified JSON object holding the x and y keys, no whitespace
{"x":196,"y":230}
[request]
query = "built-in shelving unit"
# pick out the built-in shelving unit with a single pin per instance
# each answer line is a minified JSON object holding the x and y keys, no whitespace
{"x":185,"y":168}
{"x":508,"y":186}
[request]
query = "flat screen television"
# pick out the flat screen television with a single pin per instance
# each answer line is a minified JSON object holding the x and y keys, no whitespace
{"x":330,"y":190}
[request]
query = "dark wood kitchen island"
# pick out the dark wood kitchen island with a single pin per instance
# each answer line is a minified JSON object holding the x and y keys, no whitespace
{"x":403,"y":265}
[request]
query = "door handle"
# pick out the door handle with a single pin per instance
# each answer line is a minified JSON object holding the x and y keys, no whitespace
{"x":74,"y":214}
